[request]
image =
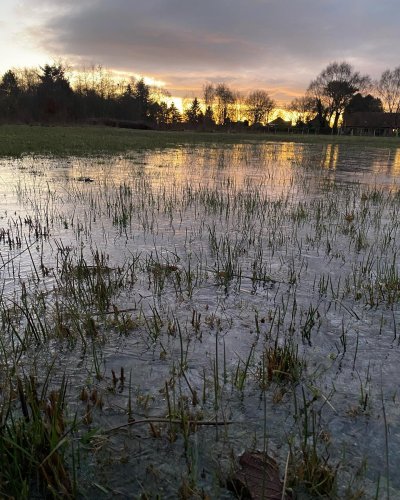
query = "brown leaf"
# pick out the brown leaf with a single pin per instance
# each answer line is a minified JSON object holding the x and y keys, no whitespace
{"x":258,"y":479}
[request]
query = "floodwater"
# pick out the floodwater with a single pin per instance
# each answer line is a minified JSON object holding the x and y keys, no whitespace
{"x":162,"y":278}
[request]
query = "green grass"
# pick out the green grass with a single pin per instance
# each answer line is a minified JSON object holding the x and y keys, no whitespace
{"x":16,"y":140}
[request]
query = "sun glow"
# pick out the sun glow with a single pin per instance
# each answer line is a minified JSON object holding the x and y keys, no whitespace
{"x":283,"y":113}
{"x":177,"y":101}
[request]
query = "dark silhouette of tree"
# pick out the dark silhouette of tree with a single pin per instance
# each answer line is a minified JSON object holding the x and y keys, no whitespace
{"x":224,"y":97}
{"x":333,"y":89}
{"x":174,"y":116}
{"x":53,"y":79}
{"x":209,"y":120}
{"x":388,"y":88}
{"x":161,"y":114}
{"x":142,"y":95}
{"x":304,"y":109}
{"x":48,"y":95}
{"x":54,"y":92}
{"x":193,"y":115}
{"x":364,"y":103}
{"x":9,"y":83}
{"x":209,"y":95}
{"x":28,"y":80}
{"x":259,"y":105}
{"x":209,"y":101}
{"x":220,"y":100}
{"x":9,"y":95}
{"x":126,"y":104}
{"x":165,"y":115}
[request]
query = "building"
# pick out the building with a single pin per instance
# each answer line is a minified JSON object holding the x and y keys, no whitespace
{"x":371,"y":123}
{"x":279,"y":124}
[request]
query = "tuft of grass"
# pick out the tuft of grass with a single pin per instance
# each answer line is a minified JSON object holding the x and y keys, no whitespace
{"x":309,"y":461}
{"x":33,"y":441}
{"x":281,"y":364}
{"x":314,"y":472}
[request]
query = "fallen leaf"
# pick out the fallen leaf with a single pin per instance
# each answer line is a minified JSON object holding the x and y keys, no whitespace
{"x":258,"y":478}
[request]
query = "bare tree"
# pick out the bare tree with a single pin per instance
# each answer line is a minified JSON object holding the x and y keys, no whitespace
{"x":27,"y":78}
{"x":100,"y":81}
{"x":388,"y":87}
{"x":209,"y":94}
{"x":224,"y":99}
{"x":333,"y":89}
{"x":158,"y":93}
{"x":303,"y":108}
{"x":237,"y":107}
{"x":209,"y":100}
{"x":259,"y":105}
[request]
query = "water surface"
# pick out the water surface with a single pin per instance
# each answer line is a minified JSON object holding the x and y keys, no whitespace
{"x":182,"y":267}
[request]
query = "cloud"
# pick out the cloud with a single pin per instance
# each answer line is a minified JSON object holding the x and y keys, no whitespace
{"x":276,"y":43}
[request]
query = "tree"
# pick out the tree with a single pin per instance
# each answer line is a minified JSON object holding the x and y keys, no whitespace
{"x":193,"y":114}
{"x":142,"y":96}
{"x":9,"y":83}
{"x":209,"y":101}
{"x":333,"y":89}
{"x":54,"y":90}
{"x":303,"y":108}
{"x":224,"y":97}
{"x":174,"y":115}
{"x":9,"y":92}
{"x":209,"y":95}
{"x":28,"y":79}
{"x":366,"y":103}
{"x":259,"y":105}
{"x":237,"y":108}
{"x":209,"y":117}
{"x":388,"y":88}
{"x":161,"y":113}
{"x":127,"y":105}
{"x":53,"y":78}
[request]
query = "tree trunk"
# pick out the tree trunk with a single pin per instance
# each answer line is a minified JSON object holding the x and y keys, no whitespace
{"x":335,"y":122}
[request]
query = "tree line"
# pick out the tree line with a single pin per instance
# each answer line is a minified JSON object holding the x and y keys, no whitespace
{"x":49,"y":94}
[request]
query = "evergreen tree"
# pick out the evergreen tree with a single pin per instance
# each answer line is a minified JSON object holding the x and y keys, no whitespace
{"x":193,"y":114}
{"x":54,"y":92}
{"x":9,"y":93}
{"x":174,"y":116}
{"x":142,"y":96}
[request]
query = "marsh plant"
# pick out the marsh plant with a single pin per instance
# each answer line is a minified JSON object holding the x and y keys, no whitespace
{"x":34,"y":444}
{"x":282,"y":363}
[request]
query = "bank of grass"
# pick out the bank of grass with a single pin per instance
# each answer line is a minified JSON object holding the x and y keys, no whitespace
{"x":17,"y":140}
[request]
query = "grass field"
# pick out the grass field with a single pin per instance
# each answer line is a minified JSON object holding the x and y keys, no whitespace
{"x":17,"y":140}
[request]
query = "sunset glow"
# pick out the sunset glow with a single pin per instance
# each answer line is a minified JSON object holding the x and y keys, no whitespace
{"x":182,"y":45}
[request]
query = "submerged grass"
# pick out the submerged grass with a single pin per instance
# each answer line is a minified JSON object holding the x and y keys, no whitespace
{"x":17,"y":140}
{"x":232,"y":272}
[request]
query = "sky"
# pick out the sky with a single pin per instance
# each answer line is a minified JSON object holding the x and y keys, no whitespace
{"x":275,"y":45}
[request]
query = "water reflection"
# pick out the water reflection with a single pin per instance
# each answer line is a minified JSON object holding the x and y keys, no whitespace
{"x":331,"y":156}
{"x":168,"y":220}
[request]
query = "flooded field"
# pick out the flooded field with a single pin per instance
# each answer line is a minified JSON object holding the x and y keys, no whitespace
{"x":165,"y":311}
